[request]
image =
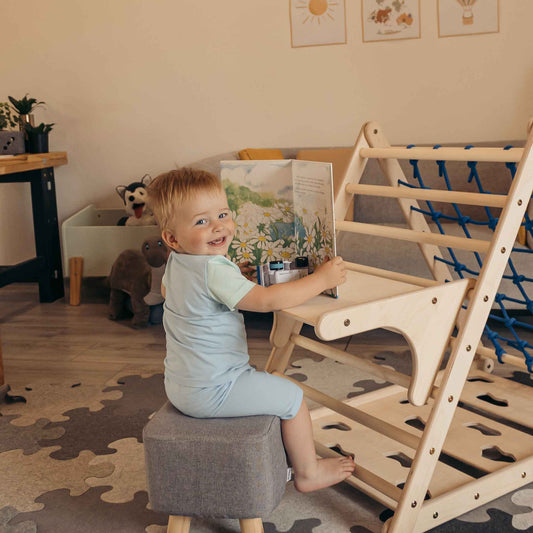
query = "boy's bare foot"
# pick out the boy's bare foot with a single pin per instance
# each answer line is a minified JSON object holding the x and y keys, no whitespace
{"x":326,"y":473}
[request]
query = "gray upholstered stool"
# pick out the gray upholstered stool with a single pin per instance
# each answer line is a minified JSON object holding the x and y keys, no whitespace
{"x":214,"y":468}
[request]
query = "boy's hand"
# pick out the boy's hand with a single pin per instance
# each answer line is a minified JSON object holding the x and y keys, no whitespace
{"x":246,"y":270}
{"x":332,"y":272}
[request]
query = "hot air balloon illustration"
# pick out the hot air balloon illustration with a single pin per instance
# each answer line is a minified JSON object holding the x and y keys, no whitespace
{"x":468,"y":14}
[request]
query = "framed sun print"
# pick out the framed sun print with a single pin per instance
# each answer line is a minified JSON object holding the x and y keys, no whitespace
{"x":317,"y":22}
{"x":387,"y":20}
{"x":468,"y":17}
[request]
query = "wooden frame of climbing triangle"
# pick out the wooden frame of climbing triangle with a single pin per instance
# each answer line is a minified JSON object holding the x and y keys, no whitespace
{"x":426,"y":489}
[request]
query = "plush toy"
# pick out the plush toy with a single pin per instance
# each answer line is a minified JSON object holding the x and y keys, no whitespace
{"x":135,"y":198}
{"x":135,"y":283}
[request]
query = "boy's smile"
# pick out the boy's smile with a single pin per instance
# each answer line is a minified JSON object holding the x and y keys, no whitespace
{"x":202,"y":225}
{"x":218,"y":242}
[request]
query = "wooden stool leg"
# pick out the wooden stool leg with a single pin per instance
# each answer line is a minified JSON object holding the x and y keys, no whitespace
{"x":251,"y":525}
{"x":76,"y":270}
{"x":178,"y":524}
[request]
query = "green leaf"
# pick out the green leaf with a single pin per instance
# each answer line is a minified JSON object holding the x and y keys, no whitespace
{"x":25,"y":105}
{"x":41,"y":128}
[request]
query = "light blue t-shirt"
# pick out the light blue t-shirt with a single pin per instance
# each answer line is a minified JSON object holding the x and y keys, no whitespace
{"x":206,"y":338}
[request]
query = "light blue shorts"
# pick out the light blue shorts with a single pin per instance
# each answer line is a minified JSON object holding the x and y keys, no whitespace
{"x":252,"y":393}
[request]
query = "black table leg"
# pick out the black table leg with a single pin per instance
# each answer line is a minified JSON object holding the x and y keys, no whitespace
{"x":46,"y":231}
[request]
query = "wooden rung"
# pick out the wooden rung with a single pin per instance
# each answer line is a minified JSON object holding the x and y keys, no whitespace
{"x":447,"y":153}
{"x":352,"y":413}
{"x":435,"y":195}
{"x":379,"y":371}
{"x":358,"y":482}
{"x":519,"y":362}
{"x":484,"y":351}
{"x":487,"y":488}
{"x":371,"y":479}
{"x":391,"y":232}
{"x":389,"y":274}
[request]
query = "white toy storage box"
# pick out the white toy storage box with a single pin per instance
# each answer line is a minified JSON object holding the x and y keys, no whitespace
{"x":94,"y":235}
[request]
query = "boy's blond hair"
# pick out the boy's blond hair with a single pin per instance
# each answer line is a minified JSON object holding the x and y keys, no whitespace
{"x":170,"y":189}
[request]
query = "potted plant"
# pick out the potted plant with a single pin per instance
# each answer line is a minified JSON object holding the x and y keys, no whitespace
{"x":38,"y":137}
{"x":24,"y":107}
{"x":11,"y":142}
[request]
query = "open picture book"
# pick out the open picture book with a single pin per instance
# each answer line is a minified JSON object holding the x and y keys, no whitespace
{"x":283,"y":210}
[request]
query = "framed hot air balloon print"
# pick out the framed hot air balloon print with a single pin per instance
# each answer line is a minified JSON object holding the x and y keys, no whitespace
{"x":468,"y":17}
{"x":317,"y":22}
{"x":386,"y":20}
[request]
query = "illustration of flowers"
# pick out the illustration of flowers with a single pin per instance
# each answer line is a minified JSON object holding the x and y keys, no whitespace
{"x":267,"y":229}
{"x":313,"y":237}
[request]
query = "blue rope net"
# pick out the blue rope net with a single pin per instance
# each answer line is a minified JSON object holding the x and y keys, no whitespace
{"x":501,"y":315}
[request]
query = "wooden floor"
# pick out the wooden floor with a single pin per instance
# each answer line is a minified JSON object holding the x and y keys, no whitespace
{"x":56,"y":341}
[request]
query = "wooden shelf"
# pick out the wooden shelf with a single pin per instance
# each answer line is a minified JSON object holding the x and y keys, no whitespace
{"x":25,"y":162}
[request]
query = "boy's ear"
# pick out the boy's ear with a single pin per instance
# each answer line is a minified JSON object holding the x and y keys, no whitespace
{"x":170,"y":239}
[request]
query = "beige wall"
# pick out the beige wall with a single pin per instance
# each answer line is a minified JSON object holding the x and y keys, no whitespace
{"x":139,"y":87}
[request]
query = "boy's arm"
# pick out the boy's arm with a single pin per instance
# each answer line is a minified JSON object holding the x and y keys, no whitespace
{"x":285,"y":295}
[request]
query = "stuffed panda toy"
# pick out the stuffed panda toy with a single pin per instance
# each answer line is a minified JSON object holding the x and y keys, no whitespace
{"x":135,"y":199}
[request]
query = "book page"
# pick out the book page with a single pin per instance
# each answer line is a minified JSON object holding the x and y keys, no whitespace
{"x":314,"y":220}
{"x":261,"y":200}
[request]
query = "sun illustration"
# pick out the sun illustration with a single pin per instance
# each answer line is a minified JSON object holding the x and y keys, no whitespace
{"x":316,"y":11}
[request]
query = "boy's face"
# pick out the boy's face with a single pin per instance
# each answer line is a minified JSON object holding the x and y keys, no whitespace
{"x":202,"y":225}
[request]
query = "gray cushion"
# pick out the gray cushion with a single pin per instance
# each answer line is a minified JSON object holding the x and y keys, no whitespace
{"x":218,"y":467}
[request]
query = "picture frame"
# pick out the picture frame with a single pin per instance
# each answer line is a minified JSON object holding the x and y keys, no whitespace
{"x":317,"y":22}
{"x":389,"y":20}
{"x":467,"y":17}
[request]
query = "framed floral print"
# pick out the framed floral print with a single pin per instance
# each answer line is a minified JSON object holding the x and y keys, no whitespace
{"x":387,"y":20}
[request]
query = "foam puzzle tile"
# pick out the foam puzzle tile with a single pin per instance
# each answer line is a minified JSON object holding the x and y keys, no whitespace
{"x":506,"y":504}
{"x":499,"y":522}
{"x":299,"y":526}
{"x":52,"y":400}
{"x":332,"y":378}
{"x":522,"y":377}
{"x":366,"y":385}
{"x":144,"y":371}
{"x":400,"y":360}
{"x":7,"y":514}
{"x":137,"y":393}
{"x":87,"y":513}
{"x":128,"y":476}
{"x":336,"y":508}
{"x":524,"y":497}
{"x":28,"y":476}
{"x":156,"y":529}
{"x":25,"y":437}
{"x":83,"y":431}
